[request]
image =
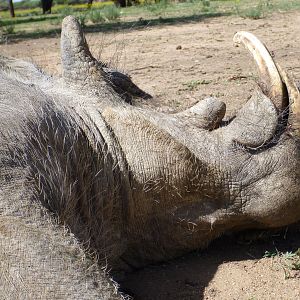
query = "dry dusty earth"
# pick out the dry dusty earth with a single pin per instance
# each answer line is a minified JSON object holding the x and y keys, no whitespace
{"x":181,"y":64}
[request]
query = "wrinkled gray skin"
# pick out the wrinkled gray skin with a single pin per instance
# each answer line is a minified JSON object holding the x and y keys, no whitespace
{"x":83,"y":172}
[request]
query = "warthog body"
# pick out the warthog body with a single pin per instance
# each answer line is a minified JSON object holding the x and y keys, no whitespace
{"x":85,"y":174}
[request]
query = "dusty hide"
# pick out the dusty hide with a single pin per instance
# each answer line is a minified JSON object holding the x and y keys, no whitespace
{"x":46,"y":157}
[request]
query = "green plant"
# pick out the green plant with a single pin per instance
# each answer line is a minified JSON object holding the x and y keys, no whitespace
{"x":193,"y":84}
{"x":2,"y":38}
{"x":255,"y":13}
{"x":206,"y":6}
{"x":237,"y":7}
{"x":206,"y":3}
{"x":96,"y":16}
{"x":66,"y":11}
{"x":289,"y":261}
{"x":65,"y":2}
{"x":8,"y":29}
{"x":27,"y":4}
{"x":111,"y":12}
{"x":5,"y":30}
{"x":56,"y":21}
{"x":270,"y":254}
{"x":292,"y":260}
{"x":82,"y":17}
{"x":158,"y":7}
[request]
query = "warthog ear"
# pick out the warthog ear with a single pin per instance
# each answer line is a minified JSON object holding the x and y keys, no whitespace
{"x":81,"y":68}
{"x":77,"y":61}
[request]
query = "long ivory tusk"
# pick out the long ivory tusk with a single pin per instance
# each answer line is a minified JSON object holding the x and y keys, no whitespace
{"x":294,"y":98}
{"x":269,"y":75}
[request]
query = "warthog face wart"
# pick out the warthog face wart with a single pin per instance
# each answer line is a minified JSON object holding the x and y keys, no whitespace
{"x":130,"y":184}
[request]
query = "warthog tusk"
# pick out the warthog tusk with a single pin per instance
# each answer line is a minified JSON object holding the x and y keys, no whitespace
{"x":272,"y":84}
{"x":294,"y":100}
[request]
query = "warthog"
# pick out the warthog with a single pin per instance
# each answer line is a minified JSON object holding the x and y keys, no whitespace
{"x":88,"y":179}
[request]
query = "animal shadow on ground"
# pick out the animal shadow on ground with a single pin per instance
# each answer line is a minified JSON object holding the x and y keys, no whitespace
{"x":188,"y":276}
{"x":116,"y":26}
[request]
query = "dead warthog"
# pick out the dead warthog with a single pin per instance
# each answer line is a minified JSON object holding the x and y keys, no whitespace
{"x":87,"y":179}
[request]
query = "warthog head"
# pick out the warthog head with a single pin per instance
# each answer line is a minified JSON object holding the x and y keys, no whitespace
{"x":193,"y":177}
{"x":146,"y":186}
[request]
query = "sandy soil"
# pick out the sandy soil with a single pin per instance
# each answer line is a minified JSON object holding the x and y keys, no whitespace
{"x":181,"y":64}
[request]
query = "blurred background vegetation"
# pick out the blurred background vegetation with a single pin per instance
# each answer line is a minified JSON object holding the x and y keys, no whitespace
{"x":36,"y":18}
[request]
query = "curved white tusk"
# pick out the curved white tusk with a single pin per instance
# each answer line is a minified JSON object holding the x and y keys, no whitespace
{"x":273,"y":86}
{"x":294,"y":99}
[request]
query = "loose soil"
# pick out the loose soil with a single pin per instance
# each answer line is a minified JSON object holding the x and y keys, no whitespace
{"x":180,"y":65}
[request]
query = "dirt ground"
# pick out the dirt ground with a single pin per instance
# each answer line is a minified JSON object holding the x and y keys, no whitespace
{"x":179,"y":65}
